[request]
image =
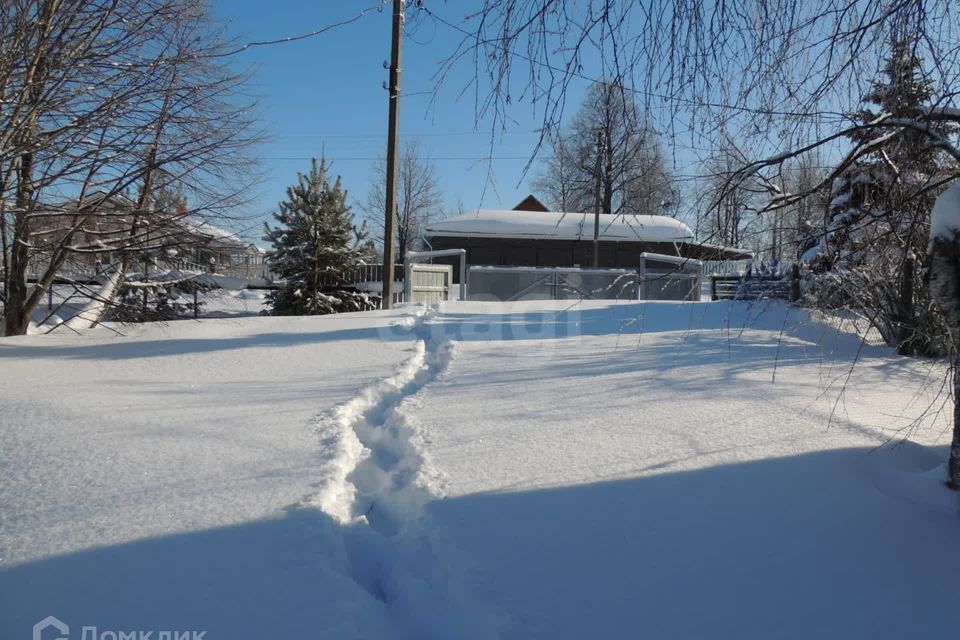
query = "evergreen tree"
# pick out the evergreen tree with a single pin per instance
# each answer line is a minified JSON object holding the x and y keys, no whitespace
{"x":314,"y":245}
{"x":870,"y":249}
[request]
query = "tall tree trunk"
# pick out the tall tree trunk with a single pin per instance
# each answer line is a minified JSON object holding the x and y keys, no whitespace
{"x":17,"y":310}
{"x":906,"y":340}
{"x":608,"y":175}
{"x":17,"y":316}
{"x":953,"y":466}
{"x":16,"y":320}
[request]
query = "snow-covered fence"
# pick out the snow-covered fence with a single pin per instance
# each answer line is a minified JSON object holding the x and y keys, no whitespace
{"x":187,"y":266}
{"x":415,"y":260}
{"x":65,"y":302}
{"x":428,"y":283}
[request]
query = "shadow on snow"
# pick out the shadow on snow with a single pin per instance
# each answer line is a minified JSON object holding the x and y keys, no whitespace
{"x":839,"y":543}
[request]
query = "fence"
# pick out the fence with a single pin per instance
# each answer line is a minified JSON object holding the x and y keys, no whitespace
{"x":664,"y":277}
{"x":561,"y":283}
{"x":364,"y":274}
{"x":656,"y":284}
{"x":548,"y":283}
{"x":68,"y":271}
{"x":748,"y":287}
{"x":429,"y":283}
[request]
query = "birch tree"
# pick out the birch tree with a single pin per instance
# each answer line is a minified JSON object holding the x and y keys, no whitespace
{"x":945,"y":284}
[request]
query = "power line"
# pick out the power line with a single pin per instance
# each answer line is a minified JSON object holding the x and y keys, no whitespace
{"x":425,"y":134}
{"x":311,"y":34}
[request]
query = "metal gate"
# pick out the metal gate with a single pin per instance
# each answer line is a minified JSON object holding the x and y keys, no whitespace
{"x":430,"y":283}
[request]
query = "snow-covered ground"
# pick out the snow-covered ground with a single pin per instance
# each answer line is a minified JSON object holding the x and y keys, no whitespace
{"x":66,"y":304}
{"x":151,"y":481}
{"x":528,"y":470}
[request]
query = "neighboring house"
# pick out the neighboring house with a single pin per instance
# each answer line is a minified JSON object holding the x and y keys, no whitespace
{"x":95,"y":237}
{"x":223,"y":251}
{"x":176,"y":241}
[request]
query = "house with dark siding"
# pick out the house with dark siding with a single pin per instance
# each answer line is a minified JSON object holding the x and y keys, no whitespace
{"x":535,"y":237}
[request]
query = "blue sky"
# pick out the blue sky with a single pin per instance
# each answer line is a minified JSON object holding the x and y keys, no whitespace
{"x":326,"y":94}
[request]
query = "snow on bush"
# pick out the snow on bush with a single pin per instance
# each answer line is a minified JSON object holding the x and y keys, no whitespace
{"x":946,"y":214}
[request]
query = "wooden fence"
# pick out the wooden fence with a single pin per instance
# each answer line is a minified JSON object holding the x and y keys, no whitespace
{"x":748,"y":287}
{"x":365,"y":274}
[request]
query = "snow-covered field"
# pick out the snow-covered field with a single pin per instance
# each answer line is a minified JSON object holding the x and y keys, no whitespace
{"x":529,"y":470}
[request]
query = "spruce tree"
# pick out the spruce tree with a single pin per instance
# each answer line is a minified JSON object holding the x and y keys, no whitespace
{"x":314,"y":246}
{"x":871,"y":251}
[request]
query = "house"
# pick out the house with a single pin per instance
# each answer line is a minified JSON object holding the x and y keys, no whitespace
{"x":530,"y":203}
{"x":174,"y":241}
{"x":532,"y":252}
{"x":553,"y":239}
{"x":223,"y":251}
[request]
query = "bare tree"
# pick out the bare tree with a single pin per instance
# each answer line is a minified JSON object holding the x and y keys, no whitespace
{"x":781,"y":81}
{"x":102,"y":98}
{"x":789,"y":225}
{"x":559,"y":181}
{"x":419,"y":198}
{"x":728,"y":202}
{"x":751,"y":67}
{"x":609,"y":140}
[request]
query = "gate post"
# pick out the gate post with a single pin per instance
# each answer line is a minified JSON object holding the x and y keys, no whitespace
{"x":407,"y":280}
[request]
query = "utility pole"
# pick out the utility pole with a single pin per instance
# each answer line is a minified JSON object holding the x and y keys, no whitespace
{"x":596,"y":203}
{"x":390,"y":215}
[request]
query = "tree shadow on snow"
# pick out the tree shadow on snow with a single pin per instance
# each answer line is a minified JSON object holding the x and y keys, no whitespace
{"x":127,"y":349}
{"x":289,"y":577}
{"x":723,"y":324}
{"x":839,"y":543}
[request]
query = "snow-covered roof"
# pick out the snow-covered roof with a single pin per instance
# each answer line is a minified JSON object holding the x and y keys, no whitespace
{"x":560,"y":226}
{"x":218,"y":235}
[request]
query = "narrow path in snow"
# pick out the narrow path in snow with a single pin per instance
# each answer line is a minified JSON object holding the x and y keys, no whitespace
{"x":374,"y":469}
{"x":376,"y":482}
{"x":391,"y":483}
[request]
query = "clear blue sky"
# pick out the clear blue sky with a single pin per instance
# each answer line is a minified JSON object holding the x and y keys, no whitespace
{"x":326,"y":94}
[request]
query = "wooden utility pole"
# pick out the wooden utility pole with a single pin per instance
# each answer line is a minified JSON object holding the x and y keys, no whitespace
{"x":390,"y":214}
{"x":596,"y":203}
